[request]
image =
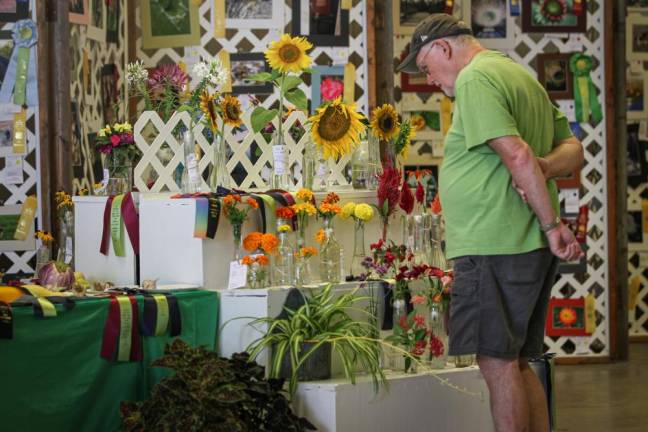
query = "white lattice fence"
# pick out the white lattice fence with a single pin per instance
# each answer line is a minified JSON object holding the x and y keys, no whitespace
{"x":156,"y":170}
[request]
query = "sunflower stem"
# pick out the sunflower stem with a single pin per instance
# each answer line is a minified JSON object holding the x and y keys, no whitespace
{"x":281,"y":96}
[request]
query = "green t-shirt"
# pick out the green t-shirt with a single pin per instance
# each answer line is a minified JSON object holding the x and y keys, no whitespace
{"x":484,"y":215}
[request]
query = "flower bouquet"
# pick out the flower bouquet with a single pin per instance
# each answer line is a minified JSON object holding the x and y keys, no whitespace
{"x":330,"y":248}
{"x":117,"y":144}
{"x":237,"y":213}
{"x":410,"y":333}
{"x":386,"y":126}
{"x":361,"y":214}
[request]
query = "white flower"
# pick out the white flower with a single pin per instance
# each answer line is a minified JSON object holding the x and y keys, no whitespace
{"x":136,"y":74}
{"x":212,"y":74}
{"x":201,"y":71}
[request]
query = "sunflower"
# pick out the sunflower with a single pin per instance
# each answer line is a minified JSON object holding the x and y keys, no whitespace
{"x":336,"y":128}
{"x":567,"y":316}
{"x":208,"y":107}
{"x":418,"y":122}
{"x":384,"y":122}
{"x":288,"y":54}
{"x":231,"y":111}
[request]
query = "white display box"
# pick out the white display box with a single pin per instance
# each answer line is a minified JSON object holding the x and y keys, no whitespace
{"x":414,"y":402}
{"x":170,"y":254}
{"x":88,"y":230}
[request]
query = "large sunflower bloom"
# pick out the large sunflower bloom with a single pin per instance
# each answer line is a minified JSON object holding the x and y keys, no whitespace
{"x":336,"y":128}
{"x":208,"y":107}
{"x":384,"y":122}
{"x":231,"y":111}
{"x":288,"y":54}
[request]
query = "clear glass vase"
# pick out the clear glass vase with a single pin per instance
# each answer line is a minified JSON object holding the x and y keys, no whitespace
{"x":43,"y":256}
{"x":219,"y":175}
{"x":396,"y":360}
{"x":330,"y":253}
{"x":436,"y":256}
{"x":360,"y":166}
{"x":190,"y":174}
{"x":464,"y":360}
{"x":309,"y":164}
{"x":238,"y":239}
{"x":256,"y":276}
{"x":120,"y":173}
{"x":66,"y":238}
{"x":303,"y":273}
{"x":359,"y":252}
{"x":323,"y":172}
{"x":280,"y":175}
{"x":374,"y":165}
{"x":283,"y":269}
{"x":437,"y":355}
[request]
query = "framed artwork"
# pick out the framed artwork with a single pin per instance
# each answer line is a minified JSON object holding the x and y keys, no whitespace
{"x":251,"y":13}
{"x":637,"y":37}
{"x":636,"y":162}
{"x":554,"y":16}
{"x":637,"y":5}
{"x":9,"y":217}
{"x":242,"y":65}
{"x":323,"y":22}
{"x":327,"y":83}
{"x":566,"y":317}
{"x":112,"y":22}
{"x":97,"y":24}
{"x":430,"y":180}
{"x":491,"y":23}
{"x":555,"y":76}
{"x":6,"y":49}
{"x":79,"y":12}
{"x":416,"y":83}
{"x":408,"y":13}
{"x":13,"y":10}
{"x":167,"y":24}
{"x":425,"y":116}
{"x":6,"y":136}
{"x":109,"y":92}
{"x":636,"y":92}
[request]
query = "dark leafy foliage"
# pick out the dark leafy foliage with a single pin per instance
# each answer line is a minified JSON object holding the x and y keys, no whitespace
{"x":210,"y":393}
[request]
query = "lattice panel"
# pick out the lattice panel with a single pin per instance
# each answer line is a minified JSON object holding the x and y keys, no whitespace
{"x":256,"y":40}
{"x":86,"y":161}
{"x":593,"y":180}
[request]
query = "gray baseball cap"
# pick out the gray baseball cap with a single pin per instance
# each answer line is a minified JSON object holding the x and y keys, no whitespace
{"x":435,"y":26}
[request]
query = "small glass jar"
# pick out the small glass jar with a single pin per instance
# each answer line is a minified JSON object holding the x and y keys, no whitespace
{"x":329,"y":255}
{"x":283,"y":268}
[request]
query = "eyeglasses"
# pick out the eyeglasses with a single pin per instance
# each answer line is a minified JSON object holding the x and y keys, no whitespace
{"x":424,"y":68}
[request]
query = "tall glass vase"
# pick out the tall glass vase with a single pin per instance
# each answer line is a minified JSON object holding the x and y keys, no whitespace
{"x":219,"y":175}
{"x":330,"y":255}
{"x":309,"y":165}
{"x":374,"y":166}
{"x":66,"y":242}
{"x":303,"y":273}
{"x":436,"y":255}
{"x":190,"y":173}
{"x":359,"y":166}
{"x":396,"y":360}
{"x":359,"y":252}
{"x":283,"y":270}
{"x":120,"y":173}
{"x":280,"y":177}
{"x":416,"y":236}
{"x":438,"y":343}
{"x":43,"y":256}
{"x":238,"y":239}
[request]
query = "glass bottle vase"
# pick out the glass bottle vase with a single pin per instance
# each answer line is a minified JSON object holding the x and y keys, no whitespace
{"x":120,"y":173}
{"x":256,"y":276}
{"x":280,"y":177}
{"x":437,"y":355}
{"x":43,"y":256}
{"x":309,"y":165}
{"x":283,"y":270}
{"x":303,"y":274}
{"x":329,"y":255}
{"x":190,"y":174}
{"x":374,"y":165}
{"x":219,"y":175}
{"x":396,"y":359}
{"x":436,"y":255}
{"x":238,"y":239}
{"x":359,"y":252}
{"x":359,"y":166}
{"x":66,"y":238}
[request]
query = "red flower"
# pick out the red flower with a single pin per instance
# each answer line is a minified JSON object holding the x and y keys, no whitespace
{"x":331,"y":88}
{"x":419,"y":348}
{"x":436,"y":272}
{"x":115,"y":140}
{"x":436,"y":205}
{"x":406,"y":199}
{"x":378,"y":245}
{"x":420,"y":193}
{"x":389,"y":257}
{"x":388,"y":190}
{"x":402,"y":322}
{"x":419,"y":320}
{"x":436,"y":346}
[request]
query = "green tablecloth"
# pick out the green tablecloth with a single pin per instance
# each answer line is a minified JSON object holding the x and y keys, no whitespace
{"x":53,"y":379}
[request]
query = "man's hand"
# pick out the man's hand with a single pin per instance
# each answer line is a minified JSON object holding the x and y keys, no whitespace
{"x":563,"y":244}
{"x":544,"y":167}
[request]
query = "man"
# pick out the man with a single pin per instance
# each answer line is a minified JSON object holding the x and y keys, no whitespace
{"x":503,"y":230}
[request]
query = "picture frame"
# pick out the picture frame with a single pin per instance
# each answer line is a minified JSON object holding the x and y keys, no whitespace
{"x":265,"y":17}
{"x":636,"y":162}
{"x":12,"y":11}
{"x":404,"y":22}
{"x":245,"y":64}
{"x":9,"y":216}
{"x":637,"y":96}
{"x":555,"y":76}
{"x":411,"y":104}
{"x":491,"y":23}
{"x":416,"y":83}
{"x":637,"y":37}
{"x":6,"y":51}
{"x":113,"y":11}
{"x":304,"y":19}
{"x":571,"y":324}
{"x":97,"y":24}
{"x":6,"y":136}
{"x":319,"y":75}
{"x":636,"y":6}
{"x":637,"y":239}
{"x":79,"y":12}
{"x":430,"y":182}
{"x":571,"y":22}
{"x":160,"y":31}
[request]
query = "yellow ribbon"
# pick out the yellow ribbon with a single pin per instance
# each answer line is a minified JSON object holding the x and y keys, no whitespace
{"x":49,"y":310}
{"x":125,"y":328}
{"x":162,"y":321}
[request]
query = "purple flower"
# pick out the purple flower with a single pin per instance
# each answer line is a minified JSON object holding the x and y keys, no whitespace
{"x":167,"y":75}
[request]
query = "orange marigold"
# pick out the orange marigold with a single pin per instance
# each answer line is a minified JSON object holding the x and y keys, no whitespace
{"x":285,"y":213}
{"x":269,"y":243}
{"x":228,"y":200}
{"x":320,"y":237}
{"x":252,"y":241}
{"x":262,"y":260}
{"x":304,"y":194}
{"x":252,"y":203}
{"x":247,"y":260}
{"x":306,"y":252}
{"x":326,"y":207}
{"x":332,"y":198}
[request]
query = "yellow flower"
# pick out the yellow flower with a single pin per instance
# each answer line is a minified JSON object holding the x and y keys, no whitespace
{"x":305,"y":208}
{"x":127,"y":127}
{"x":208,"y":107}
{"x":284,"y":228}
{"x":305,"y":195}
{"x":418,"y":122}
{"x":83,"y":192}
{"x":348,"y":210}
{"x":108,"y":129}
{"x":336,"y":128}
{"x":118,"y":127}
{"x":231,"y":111}
{"x":288,"y":54}
{"x":408,"y":141}
{"x":102,"y":133}
{"x":364,"y":212}
{"x":384,"y":122}
{"x":320,"y":236}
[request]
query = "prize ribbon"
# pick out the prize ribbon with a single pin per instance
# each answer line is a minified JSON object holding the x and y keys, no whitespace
{"x":20,"y":78}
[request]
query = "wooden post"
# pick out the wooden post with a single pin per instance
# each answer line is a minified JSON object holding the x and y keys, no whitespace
{"x":371,"y":54}
{"x":384,"y":56}
{"x":44,"y":86}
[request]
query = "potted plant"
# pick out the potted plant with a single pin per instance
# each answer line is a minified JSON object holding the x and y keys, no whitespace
{"x":302,"y":340}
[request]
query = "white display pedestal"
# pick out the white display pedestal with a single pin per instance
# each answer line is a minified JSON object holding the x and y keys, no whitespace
{"x":414,"y":403}
{"x":88,"y":229}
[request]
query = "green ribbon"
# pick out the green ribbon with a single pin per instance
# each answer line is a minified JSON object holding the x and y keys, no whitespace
{"x":117,"y":226}
{"x":125,"y":328}
{"x":585,"y":98}
{"x":21,"y":76}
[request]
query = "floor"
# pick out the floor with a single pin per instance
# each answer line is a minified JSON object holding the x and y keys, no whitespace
{"x":605,"y":397}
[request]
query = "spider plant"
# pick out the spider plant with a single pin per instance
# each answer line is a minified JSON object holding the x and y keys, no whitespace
{"x":322,"y":319}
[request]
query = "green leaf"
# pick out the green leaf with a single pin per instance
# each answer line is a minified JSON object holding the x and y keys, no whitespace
{"x":298,"y":98}
{"x":260,"y":117}
{"x":275,"y":74}
{"x":289,"y":83}
{"x":184,"y":108}
{"x":261,"y":76}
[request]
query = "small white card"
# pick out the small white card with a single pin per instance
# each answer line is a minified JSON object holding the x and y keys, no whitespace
{"x":437,"y":148}
{"x":340,"y":56}
{"x":571,"y":200}
{"x":280,"y":156}
{"x":192,"y":56}
{"x":574,"y":43}
{"x":582,"y":344}
{"x":556,"y":35}
{"x":237,"y":275}
{"x":13,"y":170}
{"x":568,"y":108}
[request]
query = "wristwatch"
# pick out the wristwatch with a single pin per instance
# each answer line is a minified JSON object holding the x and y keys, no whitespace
{"x":551,"y":225}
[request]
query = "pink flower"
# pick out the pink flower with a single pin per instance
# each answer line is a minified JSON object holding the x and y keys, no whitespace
{"x":445,"y":280}
{"x":419,"y":348}
{"x":115,"y":140}
{"x":436,"y":346}
{"x":331,"y":88}
{"x":167,"y":75}
{"x":402,"y":322}
{"x":418,"y":299}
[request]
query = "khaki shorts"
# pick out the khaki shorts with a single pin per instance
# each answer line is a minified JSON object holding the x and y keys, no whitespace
{"x":499,"y":304}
